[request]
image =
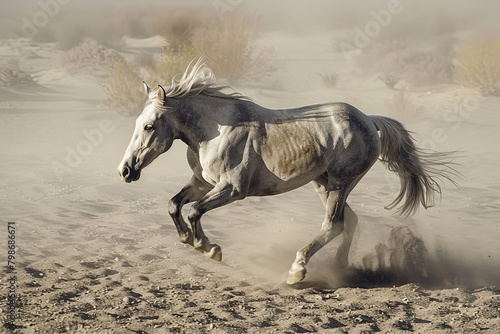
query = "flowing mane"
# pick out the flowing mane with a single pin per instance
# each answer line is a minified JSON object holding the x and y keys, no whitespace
{"x":197,"y":79}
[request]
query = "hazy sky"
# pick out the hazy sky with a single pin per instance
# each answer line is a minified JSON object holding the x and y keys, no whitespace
{"x":298,"y":15}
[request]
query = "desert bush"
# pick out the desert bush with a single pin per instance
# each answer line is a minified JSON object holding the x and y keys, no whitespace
{"x":229,"y":48}
{"x":124,"y":88}
{"x":329,"y":79}
{"x":416,"y":67}
{"x":173,"y":61}
{"x":478,"y":66}
{"x":403,"y":107}
{"x":419,"y":67}
{"x":88,"y":54}
{"x":124,"y":83}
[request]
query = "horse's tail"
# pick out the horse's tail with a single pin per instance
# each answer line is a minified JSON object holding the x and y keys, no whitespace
{"x":418,"y":171}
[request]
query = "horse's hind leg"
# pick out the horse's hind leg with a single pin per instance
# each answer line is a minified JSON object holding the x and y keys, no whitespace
{"x":350,"y":223}
{"x":320,"y":184}
{"x":333,"y":225}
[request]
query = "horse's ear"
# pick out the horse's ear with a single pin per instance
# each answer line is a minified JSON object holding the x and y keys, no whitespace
{"x":161,"y":93}
{"x":146,"y":88}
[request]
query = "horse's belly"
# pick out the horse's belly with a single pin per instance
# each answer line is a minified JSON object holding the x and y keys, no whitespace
{"x":269,"y":184}
{"x":287,"y":169}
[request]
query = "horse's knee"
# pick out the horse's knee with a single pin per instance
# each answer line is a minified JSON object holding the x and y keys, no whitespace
{"x":173,"y":208}
{"x":194,"y":214}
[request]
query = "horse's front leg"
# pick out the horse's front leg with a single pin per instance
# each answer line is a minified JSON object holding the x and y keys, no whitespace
{"x":192,"y":191}
{"x":221,"y":194}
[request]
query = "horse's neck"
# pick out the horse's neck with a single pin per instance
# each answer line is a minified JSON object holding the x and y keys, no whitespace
{"x":198,"y":119}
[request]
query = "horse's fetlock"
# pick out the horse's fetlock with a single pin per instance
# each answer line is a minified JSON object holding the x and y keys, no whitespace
{"x":198,"y":243}
{"x":186,"y":237}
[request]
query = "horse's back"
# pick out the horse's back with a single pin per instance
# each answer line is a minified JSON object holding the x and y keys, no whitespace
{"x":335,"y":138}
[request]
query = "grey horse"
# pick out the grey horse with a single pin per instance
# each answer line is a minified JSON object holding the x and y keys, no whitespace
{"x":237,"y":148}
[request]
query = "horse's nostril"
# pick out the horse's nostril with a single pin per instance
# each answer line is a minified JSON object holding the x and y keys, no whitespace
{"x":125,"y":171}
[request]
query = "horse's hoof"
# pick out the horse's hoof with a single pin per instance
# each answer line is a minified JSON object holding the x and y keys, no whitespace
{"x":296,"y":276}
{"x":215,"y":253}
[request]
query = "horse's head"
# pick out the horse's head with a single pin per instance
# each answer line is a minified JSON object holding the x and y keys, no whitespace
{"x":153,"y":135}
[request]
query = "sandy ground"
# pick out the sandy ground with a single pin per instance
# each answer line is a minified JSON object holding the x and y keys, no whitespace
{"x":96,"y":255}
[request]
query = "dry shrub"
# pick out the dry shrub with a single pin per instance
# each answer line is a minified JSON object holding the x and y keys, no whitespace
{"x":124,"y":88}
{"x":173,"y":61}
{"x":419,"y":68}
{"x":229,"y":48}
{"x":124,"y":85}
{"x":228,"y":45}
{"x":416,"y":67}
{"x":403,"y":107}
{"x":89,"y":54}
{"x":479,"y":66}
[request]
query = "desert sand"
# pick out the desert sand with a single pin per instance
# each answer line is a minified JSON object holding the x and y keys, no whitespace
{"x":97,"y":255}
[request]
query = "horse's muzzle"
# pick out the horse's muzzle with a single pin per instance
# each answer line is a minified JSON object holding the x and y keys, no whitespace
{"x":129,"y":174}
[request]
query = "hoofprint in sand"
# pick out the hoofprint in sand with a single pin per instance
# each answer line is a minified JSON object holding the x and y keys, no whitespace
{"x":98,"y":255}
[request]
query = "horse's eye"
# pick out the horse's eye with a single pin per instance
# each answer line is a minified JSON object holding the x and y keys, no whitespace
{"x":148,"y":127}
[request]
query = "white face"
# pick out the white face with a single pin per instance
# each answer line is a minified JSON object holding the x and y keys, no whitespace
{"x":152,"y":137}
